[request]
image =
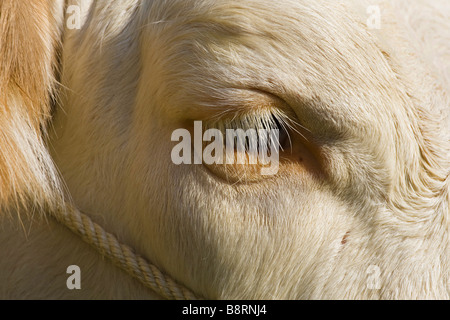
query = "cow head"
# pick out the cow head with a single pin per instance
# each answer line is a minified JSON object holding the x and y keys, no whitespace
{"x":362,"y":181}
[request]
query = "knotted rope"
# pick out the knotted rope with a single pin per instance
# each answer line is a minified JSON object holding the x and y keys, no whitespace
{"x":122,"y":255}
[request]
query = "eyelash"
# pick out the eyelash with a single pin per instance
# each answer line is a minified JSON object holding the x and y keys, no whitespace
{"x":268,"y":121}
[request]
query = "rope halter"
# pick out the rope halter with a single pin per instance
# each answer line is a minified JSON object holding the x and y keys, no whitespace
{"x":122,"y":255}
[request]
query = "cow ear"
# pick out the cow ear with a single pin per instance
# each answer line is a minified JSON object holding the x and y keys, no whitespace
{"x":28,"y":47}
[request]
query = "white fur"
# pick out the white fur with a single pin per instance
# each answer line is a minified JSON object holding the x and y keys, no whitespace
{"x":375,"y":100}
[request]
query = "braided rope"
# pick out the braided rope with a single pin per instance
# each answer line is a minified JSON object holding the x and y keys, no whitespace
{"x":122,"y":255}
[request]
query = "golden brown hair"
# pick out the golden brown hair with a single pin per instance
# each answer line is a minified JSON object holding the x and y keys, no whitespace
{"x":28,"y":42}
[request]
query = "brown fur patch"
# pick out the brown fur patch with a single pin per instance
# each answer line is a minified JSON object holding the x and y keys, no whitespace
{"x":27,"y":59}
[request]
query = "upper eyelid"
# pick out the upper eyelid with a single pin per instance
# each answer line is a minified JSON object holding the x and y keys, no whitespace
{"x":240,"y":101}
{"x":236,"y":103}
{"x":230,"y":102}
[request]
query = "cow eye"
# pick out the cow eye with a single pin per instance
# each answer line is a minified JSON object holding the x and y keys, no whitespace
{"x":249,"y":143}
{"x":265,"y":129}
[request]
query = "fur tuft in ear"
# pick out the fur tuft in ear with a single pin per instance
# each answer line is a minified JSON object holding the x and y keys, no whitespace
{"x":28,"y":46}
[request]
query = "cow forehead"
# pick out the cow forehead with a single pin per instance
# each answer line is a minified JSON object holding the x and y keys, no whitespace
{"x":204,"y":50}
{"x":299,"y":50}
